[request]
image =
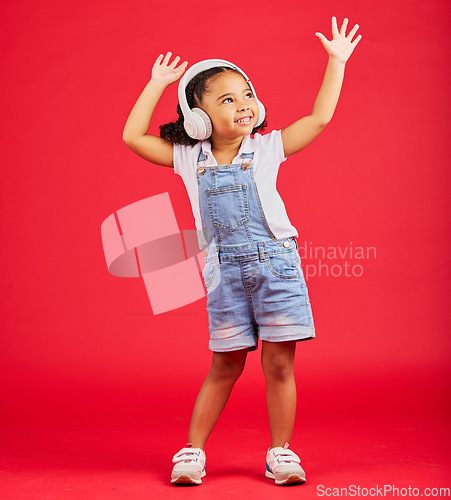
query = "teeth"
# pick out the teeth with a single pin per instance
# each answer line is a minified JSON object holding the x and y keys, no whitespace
{"x":244,"y":120}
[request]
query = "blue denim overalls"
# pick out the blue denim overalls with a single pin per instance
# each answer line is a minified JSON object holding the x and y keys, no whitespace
{"x":254,"y":281}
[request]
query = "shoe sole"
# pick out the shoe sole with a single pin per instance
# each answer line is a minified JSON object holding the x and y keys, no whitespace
{"x":291,"y":479}
{"x":186,"y":479}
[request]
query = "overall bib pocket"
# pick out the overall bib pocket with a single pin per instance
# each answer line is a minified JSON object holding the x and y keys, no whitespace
{"x":228,"y":206}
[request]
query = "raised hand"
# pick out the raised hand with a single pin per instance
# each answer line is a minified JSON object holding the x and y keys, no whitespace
{"x":341,"y":46}
{"x":165,"y":73}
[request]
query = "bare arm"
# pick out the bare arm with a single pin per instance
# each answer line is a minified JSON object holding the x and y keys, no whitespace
{"x":300,"y":133}
{"x":151,"y":147}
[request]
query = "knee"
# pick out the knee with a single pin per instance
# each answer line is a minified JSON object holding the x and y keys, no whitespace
{"x":224,"y":368}
{"x":278,"y":368}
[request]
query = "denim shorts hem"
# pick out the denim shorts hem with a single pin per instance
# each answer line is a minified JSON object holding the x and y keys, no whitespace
{"x":226,"y":345}
{"x":285,"y":333}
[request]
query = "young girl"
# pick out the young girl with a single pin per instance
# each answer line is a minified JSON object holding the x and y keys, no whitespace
{"x":253,"y":276}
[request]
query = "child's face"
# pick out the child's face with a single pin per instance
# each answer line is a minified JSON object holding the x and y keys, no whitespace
{"x":230,"y":104}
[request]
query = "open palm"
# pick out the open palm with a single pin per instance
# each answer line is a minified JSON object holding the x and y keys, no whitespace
{"x":341,"y":46}
{"x":166,"y":73}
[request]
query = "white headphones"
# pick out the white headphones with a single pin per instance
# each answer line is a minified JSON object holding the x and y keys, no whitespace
{"x":197,"y":123}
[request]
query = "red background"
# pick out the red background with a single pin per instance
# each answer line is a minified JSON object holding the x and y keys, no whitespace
{"x":97,"y":391}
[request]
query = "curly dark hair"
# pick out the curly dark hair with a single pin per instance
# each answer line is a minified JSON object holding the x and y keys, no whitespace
{"x":174,"y":131}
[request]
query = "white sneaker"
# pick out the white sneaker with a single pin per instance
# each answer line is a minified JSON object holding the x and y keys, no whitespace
{"x":189,"y":466}
{"x":283,"y":466}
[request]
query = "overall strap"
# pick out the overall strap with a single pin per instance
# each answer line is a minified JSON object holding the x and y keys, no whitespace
{"x":246,"y":156}
{"x":202,"y":156}
{"x":247,"y":160}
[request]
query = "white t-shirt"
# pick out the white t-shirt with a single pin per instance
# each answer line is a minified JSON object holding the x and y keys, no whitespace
{"x":268,"y":155}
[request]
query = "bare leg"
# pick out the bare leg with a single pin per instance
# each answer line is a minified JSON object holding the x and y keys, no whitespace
{"x":226,"y":367}
{"x":277,"y":364}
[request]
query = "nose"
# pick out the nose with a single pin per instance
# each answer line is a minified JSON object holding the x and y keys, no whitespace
{"x":243,"y":106}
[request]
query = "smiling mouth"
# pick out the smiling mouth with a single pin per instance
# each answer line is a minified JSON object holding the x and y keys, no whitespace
{"x":246,"y":120}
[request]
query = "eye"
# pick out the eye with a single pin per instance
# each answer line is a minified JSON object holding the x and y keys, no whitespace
{"x":249,"y":95}
{"x":227,"y":99}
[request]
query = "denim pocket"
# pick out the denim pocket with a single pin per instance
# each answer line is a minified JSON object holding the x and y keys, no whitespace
{"x":228,"y":206}
{"x":209,"y":272}
{"x":297,"y":260}
{"x":283,"y":265}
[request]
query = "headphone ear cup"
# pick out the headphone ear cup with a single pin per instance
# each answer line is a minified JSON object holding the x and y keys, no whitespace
{"x":198,"y":125}
{"x":206,"y":126}
{"x":261,"y":114}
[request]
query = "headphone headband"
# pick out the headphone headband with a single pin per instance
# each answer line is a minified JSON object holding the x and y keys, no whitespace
{"x":197,"y":123}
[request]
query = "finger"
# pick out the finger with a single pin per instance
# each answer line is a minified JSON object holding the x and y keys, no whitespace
{"x":356,"y":41}
{"x":323,"y":39}
{"x":334,"y":26}
{"x":158,"y":60}
{"x":167,"y":57}
{"x":344,"y":26}
{"x":181,"y":69}
{"x":174,"y":62}
{"x":352,"y":32}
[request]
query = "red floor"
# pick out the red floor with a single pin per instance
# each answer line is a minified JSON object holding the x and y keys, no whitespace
{"x":354,"y":433}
